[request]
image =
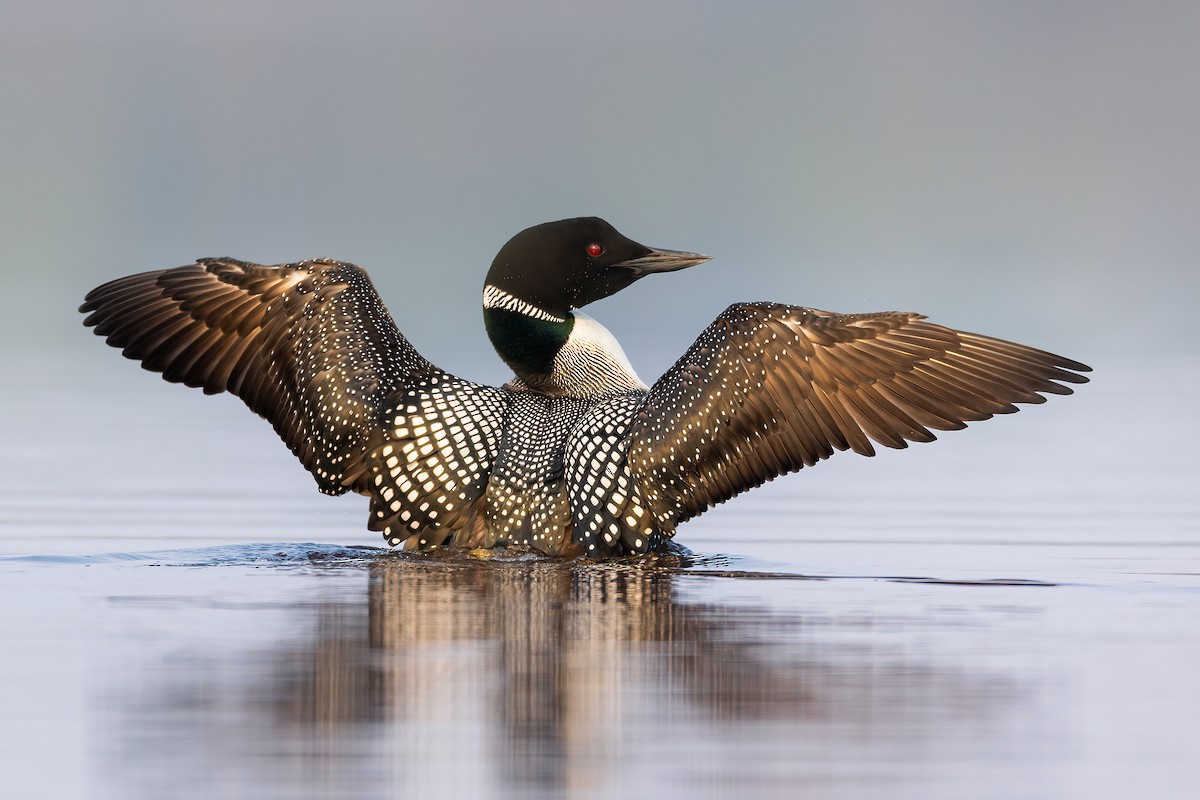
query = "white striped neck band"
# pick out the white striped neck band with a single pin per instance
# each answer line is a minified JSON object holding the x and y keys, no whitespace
{"x":494,"y":297}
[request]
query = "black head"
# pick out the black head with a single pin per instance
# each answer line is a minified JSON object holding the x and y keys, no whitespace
{"x":558,"y":266}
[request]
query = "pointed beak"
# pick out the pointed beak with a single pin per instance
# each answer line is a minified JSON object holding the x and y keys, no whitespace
{"x":662,"y":261}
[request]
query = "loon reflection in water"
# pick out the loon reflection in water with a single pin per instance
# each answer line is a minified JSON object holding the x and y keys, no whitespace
{"x":576,"y":455}
{"x":548,"y":675}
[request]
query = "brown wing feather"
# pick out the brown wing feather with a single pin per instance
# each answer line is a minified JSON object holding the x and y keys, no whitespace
{"x":308,"y":346}
{"x":768,"y":389}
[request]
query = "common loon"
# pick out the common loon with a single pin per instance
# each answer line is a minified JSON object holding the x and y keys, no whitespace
{"x":575,"y":456}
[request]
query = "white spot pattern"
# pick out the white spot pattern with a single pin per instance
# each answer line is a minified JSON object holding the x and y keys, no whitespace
{"x":611,"y":515}
{"x":435,"y":453}
{"x":526,"y":496}
{"x":768,"y":389}
{"x":309,"y":346}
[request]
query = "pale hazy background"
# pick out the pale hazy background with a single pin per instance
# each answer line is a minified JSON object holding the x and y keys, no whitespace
{"x":1026,"y":169}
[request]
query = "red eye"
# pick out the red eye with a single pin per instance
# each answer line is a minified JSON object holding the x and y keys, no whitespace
{"x":595,"y":250}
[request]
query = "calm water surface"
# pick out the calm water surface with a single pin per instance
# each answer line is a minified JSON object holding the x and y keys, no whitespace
{"x":1011,"y":612}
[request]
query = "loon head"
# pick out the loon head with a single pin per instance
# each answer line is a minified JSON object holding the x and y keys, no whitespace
{"x":545,"y":272}
{"x":559,"y":266}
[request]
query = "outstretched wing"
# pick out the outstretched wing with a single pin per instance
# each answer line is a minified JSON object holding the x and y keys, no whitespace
{"x":309,"y":346}
{"x":769,"y":388}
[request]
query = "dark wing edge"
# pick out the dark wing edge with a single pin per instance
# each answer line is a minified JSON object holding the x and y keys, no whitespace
{"x":768,"y":389}
{"x":308,"y":346}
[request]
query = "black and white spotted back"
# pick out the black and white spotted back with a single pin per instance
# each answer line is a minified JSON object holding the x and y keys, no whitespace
{"x":610,"y":512}
{"x":431,"y":461}
{"x":527,"y":501}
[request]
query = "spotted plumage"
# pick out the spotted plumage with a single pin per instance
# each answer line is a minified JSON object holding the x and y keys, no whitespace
{"x":575,"y":456}
{"x":308,"y":346}
{"x":431,"y":459}
{"x":527,"y":495}
{"x":611,"y":512}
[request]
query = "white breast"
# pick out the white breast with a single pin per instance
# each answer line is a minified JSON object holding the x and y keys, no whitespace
{"x":593,"y":363}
